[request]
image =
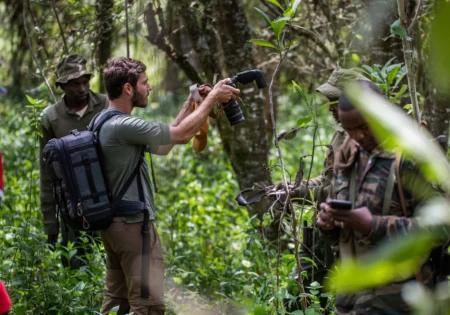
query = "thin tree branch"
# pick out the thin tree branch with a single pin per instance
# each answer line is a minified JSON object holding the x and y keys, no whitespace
{"x":39,"y":39}
{"x":416,"y":17}
{"x":66,"y":50}
{"x":126,"y":28}
{"x":32,"y":51}
{"x":314,"y":38}
{"x":159,"y":39}
{"x":409,"y":61}
{"x":288,"y":202}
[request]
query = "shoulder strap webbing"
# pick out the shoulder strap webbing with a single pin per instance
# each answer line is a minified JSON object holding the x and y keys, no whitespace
{"x":389,"y":190}
{"x":153,"y":173}
{"x":127,"y":185}
{"x":397,"y":162}
{"x":353,"y":185}
{"x":394,"y":174}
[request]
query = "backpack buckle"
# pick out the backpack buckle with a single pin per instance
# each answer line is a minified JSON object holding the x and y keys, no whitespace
{"x":86,"y":224}
{"x":75,"y":132}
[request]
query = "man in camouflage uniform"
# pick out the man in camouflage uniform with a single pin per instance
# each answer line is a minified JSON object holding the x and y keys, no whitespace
{"x":323,"y":256}
{"x":382,"y":206}
{"x":74,"y":111}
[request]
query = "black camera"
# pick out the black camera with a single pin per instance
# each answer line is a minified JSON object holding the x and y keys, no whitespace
{"x":232,"y":109}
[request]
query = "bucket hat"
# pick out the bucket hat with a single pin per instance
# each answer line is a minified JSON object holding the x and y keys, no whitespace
{"x":336,"y":82}
{"x":71,"y":67}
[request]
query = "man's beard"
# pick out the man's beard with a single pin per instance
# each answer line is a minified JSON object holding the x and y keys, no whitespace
{"x":138,"y":100}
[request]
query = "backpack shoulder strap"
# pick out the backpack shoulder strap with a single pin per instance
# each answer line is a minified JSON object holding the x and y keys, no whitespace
{"x":398,"y":161}
{"x":394,"y":174}
{"x":102,"y":117}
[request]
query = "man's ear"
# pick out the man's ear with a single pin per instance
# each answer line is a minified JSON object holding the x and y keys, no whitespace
{"x":128,"y":89}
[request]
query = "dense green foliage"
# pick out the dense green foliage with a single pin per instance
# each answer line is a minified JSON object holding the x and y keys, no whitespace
{"x":219,"y":259}
{"x":216,"y":255}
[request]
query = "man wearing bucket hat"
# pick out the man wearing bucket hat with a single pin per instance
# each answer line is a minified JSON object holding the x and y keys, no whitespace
{"x":319,"y":186}
{"x":75,"y":110}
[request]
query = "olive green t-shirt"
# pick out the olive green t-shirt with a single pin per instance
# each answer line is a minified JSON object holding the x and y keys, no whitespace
{"x":121,"y":139}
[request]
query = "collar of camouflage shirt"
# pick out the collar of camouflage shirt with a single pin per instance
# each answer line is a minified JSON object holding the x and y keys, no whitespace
{"x":349,"y":151}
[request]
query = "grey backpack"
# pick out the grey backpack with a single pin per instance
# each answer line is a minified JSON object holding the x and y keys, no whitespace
{"x":74,"y":163}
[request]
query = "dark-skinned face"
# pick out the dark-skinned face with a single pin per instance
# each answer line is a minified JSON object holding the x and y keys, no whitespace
{"x":141,"y":92}
{"x":77,"y":90}
{"x":357,"y":128}
{"x":334,"y":110}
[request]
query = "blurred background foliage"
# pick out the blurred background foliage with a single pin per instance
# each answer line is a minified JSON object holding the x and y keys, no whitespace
{"x":220,"y":258}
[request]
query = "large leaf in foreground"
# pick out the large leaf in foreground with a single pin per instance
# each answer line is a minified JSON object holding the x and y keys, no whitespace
{"x":396,"y":259}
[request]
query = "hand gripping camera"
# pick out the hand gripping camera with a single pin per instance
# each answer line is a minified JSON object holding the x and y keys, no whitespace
{"x":232,"y":109}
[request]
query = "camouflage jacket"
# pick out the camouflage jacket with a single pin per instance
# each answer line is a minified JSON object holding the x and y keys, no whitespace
{"x":372,"y":171}
{"x":320,"y":185}
{"x":57,"y":121}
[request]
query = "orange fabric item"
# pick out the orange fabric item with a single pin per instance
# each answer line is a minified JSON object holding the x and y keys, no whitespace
{"x":201,"y":137}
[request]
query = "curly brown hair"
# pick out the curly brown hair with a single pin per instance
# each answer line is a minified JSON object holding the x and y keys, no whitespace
{"x":120,"y":71}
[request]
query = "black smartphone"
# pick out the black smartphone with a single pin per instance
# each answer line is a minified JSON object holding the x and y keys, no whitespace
{"x":340,"y":204}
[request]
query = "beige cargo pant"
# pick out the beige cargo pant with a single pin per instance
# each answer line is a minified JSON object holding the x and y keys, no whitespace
{"x":123,"y":246}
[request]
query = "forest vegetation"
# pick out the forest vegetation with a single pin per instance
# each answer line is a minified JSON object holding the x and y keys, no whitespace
{"x":221,"y":258}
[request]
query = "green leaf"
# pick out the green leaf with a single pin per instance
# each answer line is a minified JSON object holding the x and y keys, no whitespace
{"x":262,"y":42}
{"x":292,"y":42}
{"x":31,"y":100}
{"x":297,"y":312}
{"x":356,"y":58}
{"x":387,"y":64}
{"x":300,"y":91}
{"x":327,"y":105}
{"x":367,"y":68}
{"x":395,"y":260}
{"x":409,"y":108}
{"x":278,"y":26}
{"x":295,"y":5}
{"x":392,"y":74}
{"x":20,"y":309}
{"x":260,"y":310}
{"x":288,"y":13}
{"x":398,"y":29}
{"x":275,"y":2}
{"x":402,"y":91}
{"x":302,"y":122}
{"x":264,"y":15}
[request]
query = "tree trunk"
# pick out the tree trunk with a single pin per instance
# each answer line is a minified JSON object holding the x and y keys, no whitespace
{"x":219,"y":34}
{"x":104,"y":38}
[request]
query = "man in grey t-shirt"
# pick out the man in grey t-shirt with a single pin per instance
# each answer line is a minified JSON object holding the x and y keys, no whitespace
{"x":122,"y":139}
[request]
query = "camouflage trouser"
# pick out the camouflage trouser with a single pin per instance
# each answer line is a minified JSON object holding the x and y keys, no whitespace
{"x":70,"y":235}
{"x":323,"y":258}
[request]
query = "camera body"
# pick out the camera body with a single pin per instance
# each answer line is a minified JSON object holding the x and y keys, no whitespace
{"x":232,"y":109}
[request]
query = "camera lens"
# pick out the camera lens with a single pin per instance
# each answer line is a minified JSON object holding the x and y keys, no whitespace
{"x":234,"y":113}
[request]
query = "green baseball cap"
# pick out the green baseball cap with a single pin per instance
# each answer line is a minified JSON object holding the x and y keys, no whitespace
{"x":336,"y":82}
{"x":71,"y":67}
